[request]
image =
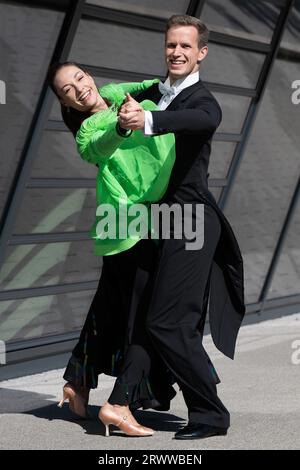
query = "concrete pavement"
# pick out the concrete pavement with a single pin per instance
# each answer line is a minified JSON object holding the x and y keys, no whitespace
{"x":261,"y":388}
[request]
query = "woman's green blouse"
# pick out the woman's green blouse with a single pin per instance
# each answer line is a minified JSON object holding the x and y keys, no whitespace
{"x":133,"y":169}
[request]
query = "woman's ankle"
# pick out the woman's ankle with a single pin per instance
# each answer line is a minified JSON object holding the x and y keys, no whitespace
{"x":84,"y":391}
{"x":116,"y":406}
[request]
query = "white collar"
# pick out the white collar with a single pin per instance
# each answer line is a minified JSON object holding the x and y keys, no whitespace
{"x":184,"y":82}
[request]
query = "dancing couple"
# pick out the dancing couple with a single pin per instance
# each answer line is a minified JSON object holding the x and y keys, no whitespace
{"x":151,"y":142}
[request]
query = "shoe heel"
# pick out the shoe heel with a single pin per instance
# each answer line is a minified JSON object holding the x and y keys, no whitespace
{"x":106,"y":430}
{"x":60,"y":404}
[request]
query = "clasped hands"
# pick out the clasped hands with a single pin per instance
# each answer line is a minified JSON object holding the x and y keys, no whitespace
{"x":131,"y":115}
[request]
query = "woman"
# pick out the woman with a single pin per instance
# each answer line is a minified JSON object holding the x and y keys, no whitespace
{"x":132,"y":169}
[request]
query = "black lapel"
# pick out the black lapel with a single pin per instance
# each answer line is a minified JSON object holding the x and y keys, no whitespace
{"x":156,"y":94}
{"x":151,"y":93}
{"x":184,"y":95}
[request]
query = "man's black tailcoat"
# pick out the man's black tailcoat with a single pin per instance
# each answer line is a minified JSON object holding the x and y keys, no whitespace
{"x":193,"y":117}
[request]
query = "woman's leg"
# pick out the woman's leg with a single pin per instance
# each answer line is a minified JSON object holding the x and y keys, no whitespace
{"x":143,"y":379}
{"x":102,"y":335}
{"x":133,"y":382}
{"x":113,"y":338}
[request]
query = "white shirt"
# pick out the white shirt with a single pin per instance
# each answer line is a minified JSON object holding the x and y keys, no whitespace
{"x":166,"y":99}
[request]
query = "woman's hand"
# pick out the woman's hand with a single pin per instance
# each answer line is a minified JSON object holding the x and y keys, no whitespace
{"x":130,"y":105}
{"x":131,"y":114}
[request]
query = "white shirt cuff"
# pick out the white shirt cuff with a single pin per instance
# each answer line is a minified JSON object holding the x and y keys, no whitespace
{"x":148,"y":129}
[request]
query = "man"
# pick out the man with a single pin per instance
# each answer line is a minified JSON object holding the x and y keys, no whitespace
{"x":184,"y":278}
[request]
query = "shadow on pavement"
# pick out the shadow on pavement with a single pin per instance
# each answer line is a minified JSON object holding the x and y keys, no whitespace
{"x":36,"y":404}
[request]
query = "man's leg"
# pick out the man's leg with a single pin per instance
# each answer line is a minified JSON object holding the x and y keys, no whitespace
{"x":173,"y":319}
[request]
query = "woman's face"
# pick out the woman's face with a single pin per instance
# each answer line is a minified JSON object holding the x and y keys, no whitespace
{"x":77,"y":89}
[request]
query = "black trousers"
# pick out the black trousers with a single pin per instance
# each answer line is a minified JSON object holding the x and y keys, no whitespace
{"x":172,"y":325}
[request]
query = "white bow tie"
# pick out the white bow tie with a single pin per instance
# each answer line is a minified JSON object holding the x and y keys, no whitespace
{"x":166,"y":89}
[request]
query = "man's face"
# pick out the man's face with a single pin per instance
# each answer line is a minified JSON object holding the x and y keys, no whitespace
{"x":182,"y":52}
{"x":76,"y":88}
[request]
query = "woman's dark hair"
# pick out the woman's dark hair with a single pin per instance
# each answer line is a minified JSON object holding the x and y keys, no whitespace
{"x":71,"y":117}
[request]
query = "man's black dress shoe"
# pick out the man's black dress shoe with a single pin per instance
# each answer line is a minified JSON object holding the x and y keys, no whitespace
{"x":199,"y":431}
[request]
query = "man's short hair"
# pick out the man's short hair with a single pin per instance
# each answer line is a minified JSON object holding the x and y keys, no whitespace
{"x":186,"y":20}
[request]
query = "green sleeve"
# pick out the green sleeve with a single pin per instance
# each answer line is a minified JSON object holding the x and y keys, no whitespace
{"x":97,"y":138}
{"x":137,"y":87}
{"x":115,"y":93}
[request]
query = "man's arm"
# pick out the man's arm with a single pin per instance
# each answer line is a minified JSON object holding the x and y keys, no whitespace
{"x":204,"y":116}
{"x":203,"y":119}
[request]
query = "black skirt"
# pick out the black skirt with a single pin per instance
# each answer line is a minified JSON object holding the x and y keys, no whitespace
{"x":117,"y":312}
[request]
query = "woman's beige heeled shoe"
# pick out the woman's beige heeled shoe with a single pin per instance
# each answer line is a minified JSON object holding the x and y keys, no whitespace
{"x":78,"y":400}
{"x":122,"y":419}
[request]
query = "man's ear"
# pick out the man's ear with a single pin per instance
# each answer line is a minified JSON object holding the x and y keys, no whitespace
{"x":202,"y":54}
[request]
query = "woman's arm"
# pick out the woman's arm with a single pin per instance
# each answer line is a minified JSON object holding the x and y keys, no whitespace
{"x":116,"y":93}
{"x":137,"y":87}
{"x":99,"y":136}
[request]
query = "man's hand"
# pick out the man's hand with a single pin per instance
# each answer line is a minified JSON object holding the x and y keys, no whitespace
{"x":131,"y":114}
